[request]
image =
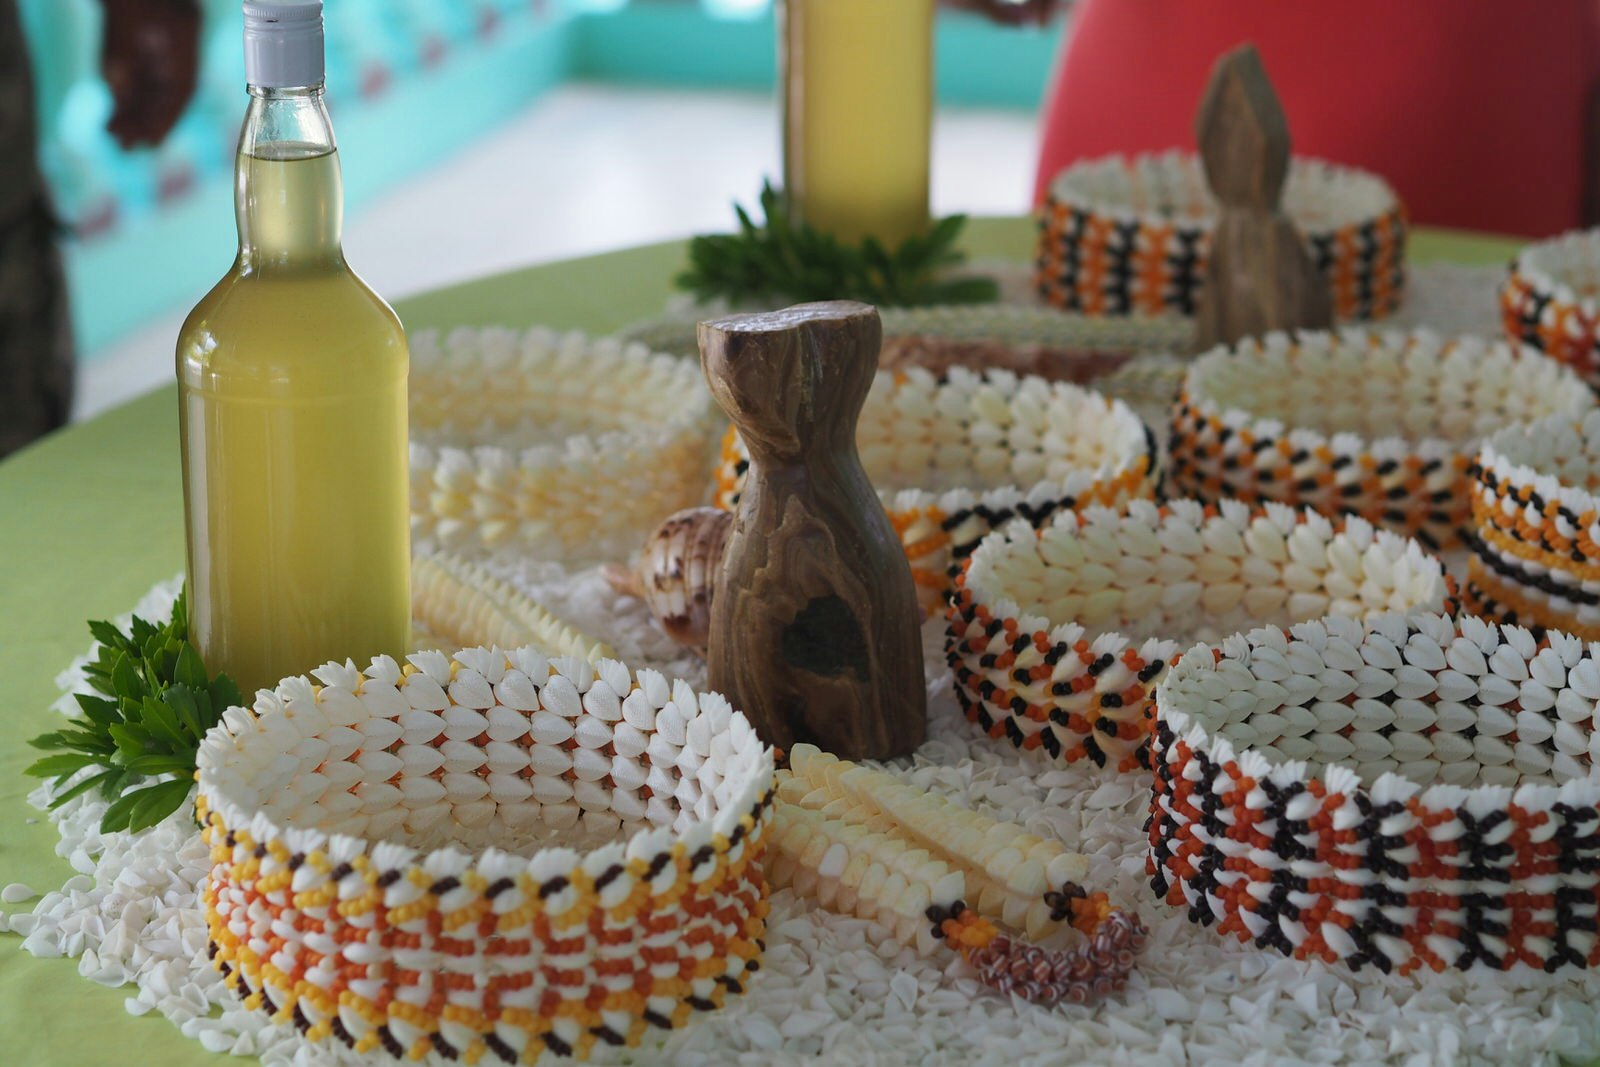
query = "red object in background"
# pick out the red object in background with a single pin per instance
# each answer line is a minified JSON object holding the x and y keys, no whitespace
{"x":176,"y":181}
{"x":488,"y":22}
{"x":1475,"y":110}
{"x":375,"y":80}
{"x":434,"y":50}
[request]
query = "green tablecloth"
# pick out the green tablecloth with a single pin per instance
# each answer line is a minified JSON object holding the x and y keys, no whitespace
{"x":92,"y":517}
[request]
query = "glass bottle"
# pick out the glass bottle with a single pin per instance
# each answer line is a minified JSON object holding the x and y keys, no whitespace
{"x":857,"y":79}
{"x":292,"y":385}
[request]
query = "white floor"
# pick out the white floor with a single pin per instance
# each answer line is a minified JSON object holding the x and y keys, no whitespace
{"x":586,"y":169}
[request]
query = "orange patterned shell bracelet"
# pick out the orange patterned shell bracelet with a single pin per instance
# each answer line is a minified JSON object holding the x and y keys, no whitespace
{"x":1379,"y":424}
{"x":1406,"y":792}
{"x":957,"y":455}
{"x":1058,"y":637}
{"x":1549,"y":301}
{"x":1536,"y":536}
{"x":1121,"y":236}
{"x":434,"y":859}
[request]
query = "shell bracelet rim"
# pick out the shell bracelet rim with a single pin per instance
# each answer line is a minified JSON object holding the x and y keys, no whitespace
{"x":223,"y":797}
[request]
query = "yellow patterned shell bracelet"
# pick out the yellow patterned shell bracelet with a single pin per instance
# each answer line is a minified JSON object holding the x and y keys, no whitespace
{"x":556,"y":445}
{"x":491,"y":856}
{"x":1536,"y":526}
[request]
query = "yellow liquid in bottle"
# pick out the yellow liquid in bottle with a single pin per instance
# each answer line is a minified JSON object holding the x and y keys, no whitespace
{"x":292,"y":380}
{"x":858,"y":100}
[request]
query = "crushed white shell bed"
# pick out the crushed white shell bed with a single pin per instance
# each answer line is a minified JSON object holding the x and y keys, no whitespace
{"x":838,"y":986}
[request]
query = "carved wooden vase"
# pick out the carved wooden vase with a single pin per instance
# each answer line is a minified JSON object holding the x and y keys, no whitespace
{"x":814,"y":628}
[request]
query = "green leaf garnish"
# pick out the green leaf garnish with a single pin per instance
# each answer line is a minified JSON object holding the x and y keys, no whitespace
{"x":79,"y":788}
{"x":155,"y":704}
{"x":784,"y":259}
{"x":58,"y":765}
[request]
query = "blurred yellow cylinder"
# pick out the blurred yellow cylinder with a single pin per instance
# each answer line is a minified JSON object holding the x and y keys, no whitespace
{"x":858,"y":114}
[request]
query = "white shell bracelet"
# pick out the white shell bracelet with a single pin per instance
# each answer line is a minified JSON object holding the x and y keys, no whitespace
{"x":551,"y":444}
{"x":954,"y":457}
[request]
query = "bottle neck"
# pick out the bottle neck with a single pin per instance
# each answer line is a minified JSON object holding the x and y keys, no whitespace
{"x":288,"y":193}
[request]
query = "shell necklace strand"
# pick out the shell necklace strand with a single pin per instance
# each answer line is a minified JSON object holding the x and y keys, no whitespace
{"x":862,"y":842}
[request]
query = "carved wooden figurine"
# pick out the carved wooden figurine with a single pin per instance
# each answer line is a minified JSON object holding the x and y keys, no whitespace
{"x":815,"y":630}
{"x":1260,"y":276}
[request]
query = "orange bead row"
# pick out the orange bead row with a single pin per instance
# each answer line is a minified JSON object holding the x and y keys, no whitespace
{"x":1098,"y":264}
{"x":1560,"y":329}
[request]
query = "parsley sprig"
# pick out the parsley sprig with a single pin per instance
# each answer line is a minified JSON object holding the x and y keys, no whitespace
{"x":152,"y":703}
{"x":784,"y":259}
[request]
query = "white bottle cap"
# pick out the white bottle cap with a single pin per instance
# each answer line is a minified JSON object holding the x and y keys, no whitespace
{"x":283,"y":43}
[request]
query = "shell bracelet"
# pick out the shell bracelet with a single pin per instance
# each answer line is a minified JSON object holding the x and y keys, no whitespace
{"x":1380,"y":424}
{"x":954,"y":457}
{"x":1549,"y":301}
{"x":863,"y":842}
{"x":1145,"y":381}
{"x":1123,"y":236}
{"x":1536,"y":537}
{"x":1015,"y":320}
{"x":1058,"y":637}
{"x":1405,"y":792}
{"x":555,"y":445}
{"x":363,"y":884}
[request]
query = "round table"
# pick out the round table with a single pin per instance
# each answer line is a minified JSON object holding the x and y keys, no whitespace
{"x":92,"y":517}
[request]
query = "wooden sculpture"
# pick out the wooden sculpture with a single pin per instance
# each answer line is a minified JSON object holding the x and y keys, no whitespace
{"x":815,"y":630}
{"x":1260,"y":276}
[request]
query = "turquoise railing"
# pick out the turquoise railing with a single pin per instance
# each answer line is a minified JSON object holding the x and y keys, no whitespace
{"x":410,"y":82}
{"x":374,"y":46}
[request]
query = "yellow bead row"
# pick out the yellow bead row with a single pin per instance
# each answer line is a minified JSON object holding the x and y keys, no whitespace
{"x":731,"y":879}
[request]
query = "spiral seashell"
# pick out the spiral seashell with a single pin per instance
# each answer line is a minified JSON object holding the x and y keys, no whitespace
{"x":677,"y":573}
